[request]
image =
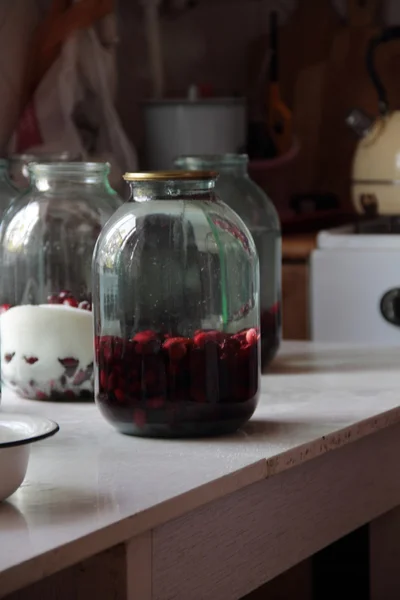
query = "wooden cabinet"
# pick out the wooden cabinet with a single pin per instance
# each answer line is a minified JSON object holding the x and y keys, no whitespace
{"x":296,"y":252}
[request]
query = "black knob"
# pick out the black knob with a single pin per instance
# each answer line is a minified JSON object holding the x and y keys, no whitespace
{"x":390,"y":306}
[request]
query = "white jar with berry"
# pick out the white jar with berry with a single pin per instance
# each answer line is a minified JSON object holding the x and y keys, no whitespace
{"x":46,"y":245}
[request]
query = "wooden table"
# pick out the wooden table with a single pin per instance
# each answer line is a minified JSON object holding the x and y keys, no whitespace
{"x":104,"y":516}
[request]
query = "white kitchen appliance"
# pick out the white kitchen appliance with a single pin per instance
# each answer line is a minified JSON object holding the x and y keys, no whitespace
{"x":355,"y":283}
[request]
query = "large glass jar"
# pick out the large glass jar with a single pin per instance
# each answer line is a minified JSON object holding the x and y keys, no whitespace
{"x":46,"y":246}
{"x":175,"y":300}
{"x":236,"y":189}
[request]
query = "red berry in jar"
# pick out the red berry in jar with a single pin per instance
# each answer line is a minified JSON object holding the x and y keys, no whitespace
{"x":31,"y":360}
{"x":119,"y":394}
{"x":251,"y":336}
{"x":64,"y":294}
{"x":85,"y":305}
{"x":270,"y":327}
{"x":176,"y":347}
{"x":146,"y":342}
{"x":201,"y":338}
{"x":70,"y":302}
{"x":4,"y":308}
{"x":205,"y":373}
{"x":142,"y":337}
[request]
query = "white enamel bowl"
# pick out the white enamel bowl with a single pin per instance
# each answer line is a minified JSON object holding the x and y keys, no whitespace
{"x":17,"y":433}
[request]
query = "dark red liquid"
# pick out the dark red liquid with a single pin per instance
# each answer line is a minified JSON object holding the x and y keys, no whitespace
{"x":158,"y":385}
{"x":270,"y":327}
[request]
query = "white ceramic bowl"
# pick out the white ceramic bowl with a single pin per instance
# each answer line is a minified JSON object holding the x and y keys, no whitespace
{"x":17,"y":432}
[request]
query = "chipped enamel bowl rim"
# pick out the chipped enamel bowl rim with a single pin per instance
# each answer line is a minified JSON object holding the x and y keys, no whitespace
{"x":17,"y":433}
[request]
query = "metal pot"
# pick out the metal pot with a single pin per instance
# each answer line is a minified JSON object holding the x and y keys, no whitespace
{"x":206,"y":126}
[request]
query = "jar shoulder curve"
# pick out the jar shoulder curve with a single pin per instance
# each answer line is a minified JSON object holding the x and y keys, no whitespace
{"x":250,"y":201}
{"x":267,"y":204}
{"x":102,"y":205}
{"x":32,"y":216}
{"x":220,"y":208}
{"x":200,"y":217}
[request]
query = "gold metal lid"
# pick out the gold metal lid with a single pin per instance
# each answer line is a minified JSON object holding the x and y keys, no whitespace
{"x":170,"y":175}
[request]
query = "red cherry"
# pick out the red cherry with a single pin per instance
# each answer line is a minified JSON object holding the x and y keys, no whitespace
{"x":70,"y":365}
{"x":112,"y":382}
{"x":85,"y":305}
{"x":103,"y":380}
{"x":230,"y":347}
{"x":146,"y":342}
{"x":64,"y":294}
{"x":251,"y":336}
{"x":41,"y":396}
{"x":31,"y":359}
{"x":8,"y":357}
{"x":144,"y":336}
{"x":176,"y":347}
{"x":4,"y":308}
{"x":105,"y":347}
{"x":69,"y":362}
{"x":70,"y":302}
{"x":240,"y":337}
{"x":119,"y":394}
{"x":202,"y":338}
{"x":53,"y":299}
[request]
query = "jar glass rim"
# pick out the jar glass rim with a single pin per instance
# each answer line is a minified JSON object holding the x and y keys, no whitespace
{"x":170,"y":176}
{"x":212,"y":160}
{"x":66,"y":167}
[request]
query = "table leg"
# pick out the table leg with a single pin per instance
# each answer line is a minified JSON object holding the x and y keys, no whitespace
{"x":384,"y":539}
{"x":139,"y":567}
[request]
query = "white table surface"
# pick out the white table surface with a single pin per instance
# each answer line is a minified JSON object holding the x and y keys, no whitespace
{"x":89,"y":488}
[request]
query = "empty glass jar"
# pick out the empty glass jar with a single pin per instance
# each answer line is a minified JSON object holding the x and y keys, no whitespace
{"x":249,"y":201}
{"x":175,"y":300}
{"x":46,"y":247}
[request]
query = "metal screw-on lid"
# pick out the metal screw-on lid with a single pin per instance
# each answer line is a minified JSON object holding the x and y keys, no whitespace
{"x":170,"y":175}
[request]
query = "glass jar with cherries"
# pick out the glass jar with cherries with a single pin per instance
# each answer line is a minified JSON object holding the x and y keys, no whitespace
{"x":46,"y":247}
{"x":176,"y":313}
{"x":235,"y":187}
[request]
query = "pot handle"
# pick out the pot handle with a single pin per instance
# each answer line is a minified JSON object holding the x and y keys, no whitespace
{"x":387,"y":35}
